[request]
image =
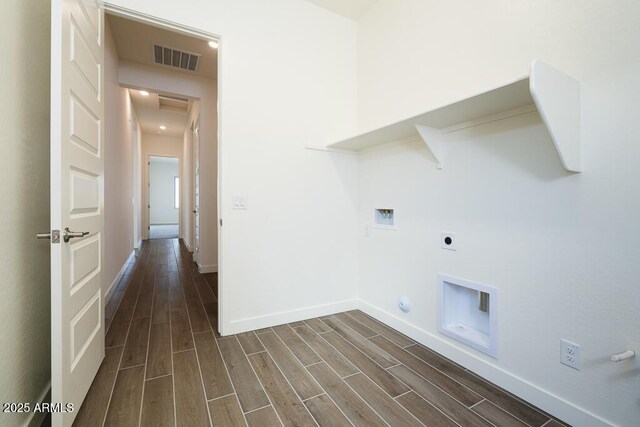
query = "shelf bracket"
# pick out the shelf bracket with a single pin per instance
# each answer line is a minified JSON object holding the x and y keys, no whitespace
{"x":432,"y":137}
{"x":557,"y":98}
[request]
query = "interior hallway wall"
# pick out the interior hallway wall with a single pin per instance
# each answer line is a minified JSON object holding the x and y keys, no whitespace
{"x":136,"y":137}
{"x":118,"y":162}
{"x":162,"y":172}
{"x":561,"y":248}
{"x":25,"y":316}
{"x":293,"y":252}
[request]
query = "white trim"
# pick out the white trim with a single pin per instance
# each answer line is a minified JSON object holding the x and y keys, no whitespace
{"x":202,"y":269}
{"x":135,"y":15}
{"x":35,"y":418}
{"x":109,"y":293}
{"x":259,"y":322}
{"x":524,"y":389}
{"x":139,"y":243}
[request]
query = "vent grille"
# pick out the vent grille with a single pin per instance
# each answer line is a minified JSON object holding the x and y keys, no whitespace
{"x":172,"y":103}
{"x":171,"y":57}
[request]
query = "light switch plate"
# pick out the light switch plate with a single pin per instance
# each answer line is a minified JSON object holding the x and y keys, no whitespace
{"x":240,"y":202}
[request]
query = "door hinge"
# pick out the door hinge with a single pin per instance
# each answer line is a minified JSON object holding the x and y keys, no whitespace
{"x":148,"y":227}
{"x":149,"y":163}
{"x":220,"y":222}
{"x":149,"y":206}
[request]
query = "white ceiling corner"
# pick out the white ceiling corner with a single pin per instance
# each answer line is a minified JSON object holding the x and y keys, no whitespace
{"x":353,"y":9}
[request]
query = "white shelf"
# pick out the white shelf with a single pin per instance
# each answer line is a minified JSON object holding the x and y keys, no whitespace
{"x":554,"y":94}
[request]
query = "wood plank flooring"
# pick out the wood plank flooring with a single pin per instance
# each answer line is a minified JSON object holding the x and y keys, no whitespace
{"x":166,"y":365}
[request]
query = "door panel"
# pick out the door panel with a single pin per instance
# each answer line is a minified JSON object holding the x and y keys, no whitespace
{"x":77,"y":200}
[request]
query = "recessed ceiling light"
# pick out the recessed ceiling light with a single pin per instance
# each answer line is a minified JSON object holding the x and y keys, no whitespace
{"x":144,"y":93}
{"x":213,"y":44}
{"x":163,"y":127}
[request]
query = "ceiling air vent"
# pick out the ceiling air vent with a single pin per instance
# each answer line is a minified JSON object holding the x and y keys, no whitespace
{"x":172,"y":103}
{"x":171,"y":57}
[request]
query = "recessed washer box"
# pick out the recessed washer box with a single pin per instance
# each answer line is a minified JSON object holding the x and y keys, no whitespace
{"x":467,"y":312}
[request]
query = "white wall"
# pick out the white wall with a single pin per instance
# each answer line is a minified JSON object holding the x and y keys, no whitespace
{"x":136,"y":148}
{"x":25,"y":334}
{"x":155,"y":145}
{"x":162,"y":172}
{"x":118,"y":164}
{"x":287,"y":78}
{"x":561,"y":248}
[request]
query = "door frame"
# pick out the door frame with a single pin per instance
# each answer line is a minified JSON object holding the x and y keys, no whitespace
{"x":195,"y":32}
{"x":148,"y":194}
{"x":136,"y":168}
{"x":195,"y":171}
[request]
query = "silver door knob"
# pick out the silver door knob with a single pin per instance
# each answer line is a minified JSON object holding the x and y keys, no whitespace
{"x":54,"y":235}
{"x":68,"y":234}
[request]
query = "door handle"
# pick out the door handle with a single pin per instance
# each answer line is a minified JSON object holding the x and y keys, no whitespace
{"x":68,"y":234}
{"x":54,"y":235}
{"x":195,"y":211}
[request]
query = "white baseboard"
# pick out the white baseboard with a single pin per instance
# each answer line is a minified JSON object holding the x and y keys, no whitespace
{"x":539,"y":397}
{"x":259,"y":322}
{"x":138,"y":244}
{"x":165,"y":223}
{"x":112,"y":287}
{"x":208,"y":268}
{"x":187,"y":245}
{"x":35,"y":418}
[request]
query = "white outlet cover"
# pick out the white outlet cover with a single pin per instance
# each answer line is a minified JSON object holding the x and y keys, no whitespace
{"x":570,"y":354}
{"x":448,"y":241}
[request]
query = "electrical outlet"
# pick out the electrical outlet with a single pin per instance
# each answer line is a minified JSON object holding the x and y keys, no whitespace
{"x":448,"y":241}
{"x":570,"y":354}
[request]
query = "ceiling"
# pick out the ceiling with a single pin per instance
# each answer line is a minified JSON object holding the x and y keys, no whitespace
{"x":353,"y":9}
{"x":134,"y":42}
{"x":151,"y":116}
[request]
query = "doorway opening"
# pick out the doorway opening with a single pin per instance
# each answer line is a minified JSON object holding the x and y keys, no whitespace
{"x":171,"y":75}
{"x":164,"y":197}
{"x":167,"y":76}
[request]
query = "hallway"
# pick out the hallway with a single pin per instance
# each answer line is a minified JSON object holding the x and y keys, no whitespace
{"x":166,"y":365}
{"x":165,"y":231}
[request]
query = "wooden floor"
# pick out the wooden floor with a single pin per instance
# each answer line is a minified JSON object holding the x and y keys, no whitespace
{"x":165,"y":365}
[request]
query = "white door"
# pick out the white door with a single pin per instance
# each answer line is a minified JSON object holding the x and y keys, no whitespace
{"x":77,"y":200}
{"x":196,"y":192}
